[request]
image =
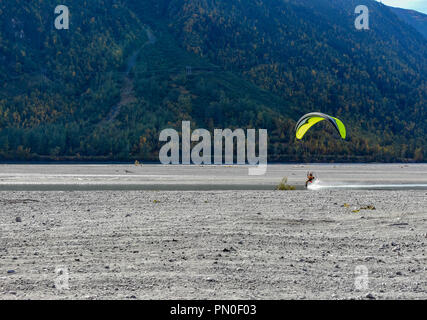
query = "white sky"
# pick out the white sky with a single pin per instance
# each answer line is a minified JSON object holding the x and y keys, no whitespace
{"x":420,"y":5}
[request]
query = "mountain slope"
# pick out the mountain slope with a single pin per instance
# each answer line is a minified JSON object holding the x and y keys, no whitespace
{"x":99,"y":92}
{"x":414,"y":18}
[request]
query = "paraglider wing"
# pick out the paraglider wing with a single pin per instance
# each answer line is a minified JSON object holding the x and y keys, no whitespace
{"x":310,"y":119}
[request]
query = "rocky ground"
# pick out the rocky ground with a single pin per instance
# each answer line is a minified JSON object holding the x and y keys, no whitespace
{"x":213,"y":244}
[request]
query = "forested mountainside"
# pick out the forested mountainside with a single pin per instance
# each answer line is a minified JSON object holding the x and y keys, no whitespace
{"x":414,"y":18}
{"x":125,"y":70}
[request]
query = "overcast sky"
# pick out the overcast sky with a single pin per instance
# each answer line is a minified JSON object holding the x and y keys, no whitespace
{"x":420,"y":5}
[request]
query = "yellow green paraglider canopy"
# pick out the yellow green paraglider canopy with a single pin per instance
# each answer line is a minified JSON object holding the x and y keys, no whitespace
{"x":310,"y":119}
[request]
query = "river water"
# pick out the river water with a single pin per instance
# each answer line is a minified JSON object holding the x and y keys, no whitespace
{"x":210,"y":177}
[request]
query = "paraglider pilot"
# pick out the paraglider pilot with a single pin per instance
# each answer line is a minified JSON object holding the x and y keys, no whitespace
{"x":310,"y":178}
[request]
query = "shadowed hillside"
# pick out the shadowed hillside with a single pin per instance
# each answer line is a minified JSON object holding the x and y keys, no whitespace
{"x":414,"y":18}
